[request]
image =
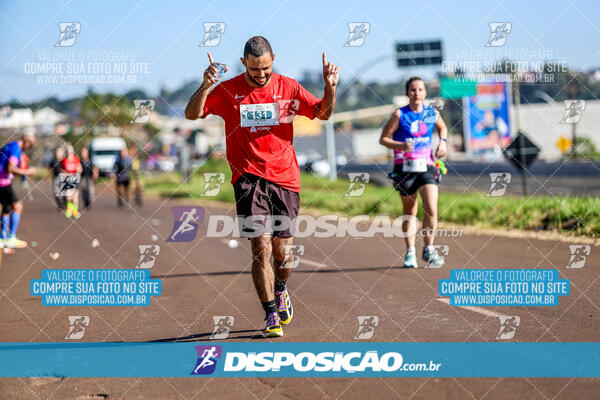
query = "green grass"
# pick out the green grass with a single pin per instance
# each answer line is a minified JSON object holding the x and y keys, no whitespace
{"x":574,"y":215}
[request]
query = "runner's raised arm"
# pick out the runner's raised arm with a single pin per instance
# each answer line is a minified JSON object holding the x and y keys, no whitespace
{"x":331,"y":76}
{"x":195,"y":107}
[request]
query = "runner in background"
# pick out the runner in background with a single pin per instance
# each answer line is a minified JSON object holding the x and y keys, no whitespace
{"x":121,"y":174}
{"x":12,"y":208}
{"x":409,"y":132}
{"x":135,"y":174}
{"x":54,"y":174}
{"x":24,"y":164}
{"x":70,"y":167}
{"x":89,"y":175}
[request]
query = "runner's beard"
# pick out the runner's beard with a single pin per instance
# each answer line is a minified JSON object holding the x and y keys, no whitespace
{"x":267,"y":77}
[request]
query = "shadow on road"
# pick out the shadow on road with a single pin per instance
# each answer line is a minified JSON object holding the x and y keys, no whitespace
{"x":206,"y":337}
{"x":304,"y":271}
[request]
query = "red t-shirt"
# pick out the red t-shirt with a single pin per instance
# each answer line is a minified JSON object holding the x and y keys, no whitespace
{"x":263,"y":146}
{"x":70,"y":164}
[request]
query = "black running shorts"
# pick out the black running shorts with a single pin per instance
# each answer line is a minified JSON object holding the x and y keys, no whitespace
{"x":7,"y":197}
{"x":123,"y":182}
{"x":265,"y":207}
{"x":407,"y":183}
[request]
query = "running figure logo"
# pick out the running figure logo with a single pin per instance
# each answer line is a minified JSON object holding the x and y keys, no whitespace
{"x":500,"y":181}
{"x":573,"y":111}
{"x":499,"y":32}
{"x":212,"y":33}
{"x":68,"y":33}
{"x":294,"y":253}
{"x":438,"y":104}
{"x":207,"y":359}
{"x":366,"y":326}
{"x":186,"y":223}
{"x":148,"y":254}
{"x":223,"y":324}
{"x":579,"y":253}
{"x":358,"y":33}
{"x":212,"y":183}
{"x":358,"y":184}
{"x":143,"y":109}
{"x":77,"y":325}
{"x":287,"y":110}
{"x":508,"y":327}
{"x":68,"y":183}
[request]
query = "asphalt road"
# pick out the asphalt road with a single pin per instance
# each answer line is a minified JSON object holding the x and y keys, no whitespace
{"x":542,"y":179}
{"x":338,"y":279}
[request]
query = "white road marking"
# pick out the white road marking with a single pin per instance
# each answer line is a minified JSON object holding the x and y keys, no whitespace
{"x":479,"y":310}
{"x":313,"y":263}
{"x":302,"y":260}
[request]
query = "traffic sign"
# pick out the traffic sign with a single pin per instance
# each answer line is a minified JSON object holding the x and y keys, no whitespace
{"x":521,"y":152}
{"x":410,"y":54}
{"x":453,"y":88}
{"x":563,"y":144}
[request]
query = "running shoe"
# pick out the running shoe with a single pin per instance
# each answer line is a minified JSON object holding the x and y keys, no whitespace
{"x":284,"y":306}
{"x":14,"y":243}
{"x":76,"y":214}
{"x":410,"y":260}
{"x":433,"y":259}
{"x":273,"y":327}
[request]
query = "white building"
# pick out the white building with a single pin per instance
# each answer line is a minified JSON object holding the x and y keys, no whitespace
{"x":25,"y":117}
{"x":541,"y":123}
{"x":16,"y":118}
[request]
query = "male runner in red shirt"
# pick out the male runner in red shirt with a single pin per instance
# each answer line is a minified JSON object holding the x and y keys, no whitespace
{"x":258,"y":107}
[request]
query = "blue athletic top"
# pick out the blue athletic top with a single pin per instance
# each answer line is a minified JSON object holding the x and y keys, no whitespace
{"x":122,"y":168}
{"x":10,"y":152}
{"x":419,"y":127}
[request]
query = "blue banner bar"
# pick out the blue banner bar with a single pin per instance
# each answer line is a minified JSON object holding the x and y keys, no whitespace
{"x":364,"y":359}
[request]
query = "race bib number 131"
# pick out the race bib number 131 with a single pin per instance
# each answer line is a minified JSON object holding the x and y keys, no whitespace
{"x":259,"y":114}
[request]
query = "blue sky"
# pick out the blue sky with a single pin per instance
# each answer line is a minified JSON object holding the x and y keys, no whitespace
{"x":167,"y":35}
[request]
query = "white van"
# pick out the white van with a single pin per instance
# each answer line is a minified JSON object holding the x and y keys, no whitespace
{"x":104,"y":152}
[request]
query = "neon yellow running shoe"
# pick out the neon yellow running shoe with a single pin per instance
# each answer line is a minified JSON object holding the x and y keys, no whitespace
{"x":273,"y":327}
{"x":14,"y":243}
{"x":284,"y":306}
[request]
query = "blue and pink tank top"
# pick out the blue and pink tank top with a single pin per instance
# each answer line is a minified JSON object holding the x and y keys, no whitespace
{"x":419,"y":127}
{"x":11,"y":152}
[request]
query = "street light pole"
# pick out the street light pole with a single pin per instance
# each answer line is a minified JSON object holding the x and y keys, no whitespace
{"x":330,"y":146}
{"x":329,"y":129}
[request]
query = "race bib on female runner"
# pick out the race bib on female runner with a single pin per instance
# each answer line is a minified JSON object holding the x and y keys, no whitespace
{"x":259,"y":114}
{"x":414,"y":165}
